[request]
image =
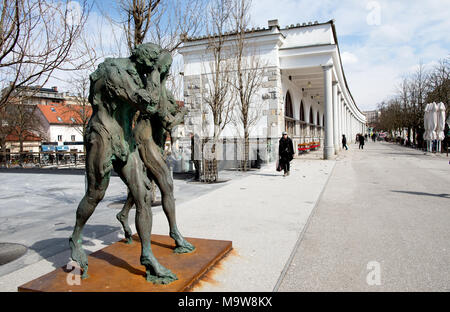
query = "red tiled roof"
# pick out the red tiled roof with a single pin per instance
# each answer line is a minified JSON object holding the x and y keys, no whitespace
{"x":68,"y":114}
{"x":14,"y":137}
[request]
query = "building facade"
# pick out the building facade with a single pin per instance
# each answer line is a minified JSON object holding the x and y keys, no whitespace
{"x":304,"y":89}
{"x":63,"y":125}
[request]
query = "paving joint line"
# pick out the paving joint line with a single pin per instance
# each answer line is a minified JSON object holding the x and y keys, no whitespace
{"x":301,"y":235}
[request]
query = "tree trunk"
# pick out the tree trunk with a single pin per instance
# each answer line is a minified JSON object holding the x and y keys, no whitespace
{"x":3,"y":145}
{"x":21,"y":150}
{"x":246,"y":150}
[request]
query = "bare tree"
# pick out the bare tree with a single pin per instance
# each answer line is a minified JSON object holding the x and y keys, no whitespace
{"x":5,"y":130}
{"x":159,"y":21}
{"x":418,"y":93}
{"x":37,"y":38}
{"x":248,"y":75}
{"x":80,"y":110}
{"x":439,"y":84}
{"x":217,"y":91}
{"x":408,"y":109}
{"x":22,"y":120}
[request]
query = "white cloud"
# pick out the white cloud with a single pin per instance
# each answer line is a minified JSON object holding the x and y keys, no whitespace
{"x":375,"y":57}
{"x":348,"y":58}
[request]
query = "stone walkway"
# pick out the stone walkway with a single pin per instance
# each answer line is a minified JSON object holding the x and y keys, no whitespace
{"x":382,"y":224}
{"x":261,"y":212}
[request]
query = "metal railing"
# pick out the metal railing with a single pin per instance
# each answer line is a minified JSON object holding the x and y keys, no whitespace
{"x":42,"y":159}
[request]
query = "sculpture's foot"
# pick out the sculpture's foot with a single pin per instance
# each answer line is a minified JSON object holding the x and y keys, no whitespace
{"x":78,"y":255}
{"x":123,"y":219}
{"x":182,"y":245}
{"x":156,"y":273}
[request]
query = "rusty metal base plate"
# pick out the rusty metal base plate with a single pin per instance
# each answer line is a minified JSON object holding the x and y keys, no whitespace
{"x":117,"y":267}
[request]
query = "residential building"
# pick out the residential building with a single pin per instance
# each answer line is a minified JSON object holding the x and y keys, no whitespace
{"x":63,"y":125}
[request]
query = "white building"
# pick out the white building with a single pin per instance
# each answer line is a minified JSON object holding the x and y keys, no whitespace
{"x":304,"y":92}
{"x":63,"y":127}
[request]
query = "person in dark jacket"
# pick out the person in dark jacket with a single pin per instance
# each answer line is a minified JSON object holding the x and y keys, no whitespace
{"x":344,"y":142}
{"x":195,"y":154}
{"x":361,"y":142}
{"x":285,"y":152}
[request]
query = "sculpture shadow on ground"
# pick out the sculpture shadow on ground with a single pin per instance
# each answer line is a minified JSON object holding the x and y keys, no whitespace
{"x":47,"y":248}
{"x":118,"y":262}
{"x":443,"y":195}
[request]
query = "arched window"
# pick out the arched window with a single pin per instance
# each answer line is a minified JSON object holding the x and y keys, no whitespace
{"x":289,"y":122}
{"x":318,"y":119}
{"x":302,"y":111}
{"x":311,"y":120}
{"x":288,"y":111}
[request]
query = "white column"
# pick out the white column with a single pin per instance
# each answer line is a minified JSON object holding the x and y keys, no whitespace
{"x":341,"y":118}
{"x":335,"y":118}
{"x":328,"y":149}
{"x":347,"y":120}
{"x":351,"y":124}
{"x":344,"y":117}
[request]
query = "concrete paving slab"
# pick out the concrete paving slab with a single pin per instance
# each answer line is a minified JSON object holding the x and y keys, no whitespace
{"x":385,"y":213}
{"x":262,"y":212}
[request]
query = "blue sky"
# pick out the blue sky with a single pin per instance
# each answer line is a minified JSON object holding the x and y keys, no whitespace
{"x":380,"y":41}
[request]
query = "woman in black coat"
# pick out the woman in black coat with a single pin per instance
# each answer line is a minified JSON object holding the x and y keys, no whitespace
{"x":361,"y":142}
{"x":285,"y":152}
{"x":344,"y":142}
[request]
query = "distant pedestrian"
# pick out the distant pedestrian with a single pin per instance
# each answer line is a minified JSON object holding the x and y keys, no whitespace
{"x":285,"y":153}
{"x":344,"y":142}
{"x":361,"y":142}
{"x":195,"y":155}
{"x":365,"y":137}
{"x":357,"y":138}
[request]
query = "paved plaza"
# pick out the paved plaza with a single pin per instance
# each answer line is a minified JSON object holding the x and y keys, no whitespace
{"x":315,"y":230}
{"x":385,"y":207}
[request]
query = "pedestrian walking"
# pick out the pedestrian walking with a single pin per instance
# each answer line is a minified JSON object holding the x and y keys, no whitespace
{"x":285,"y":153}
{"x":195,"y":154}
{"x":361,"y":142}
{"x":357,"y":138}
{"x":344,"y":142}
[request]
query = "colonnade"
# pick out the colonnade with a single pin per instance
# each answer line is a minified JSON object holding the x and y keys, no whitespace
{"x":339,"y":117}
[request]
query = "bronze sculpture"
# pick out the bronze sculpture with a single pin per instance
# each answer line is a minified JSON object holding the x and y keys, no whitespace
{"x":119,"y":88}
{"x":156,"y":126}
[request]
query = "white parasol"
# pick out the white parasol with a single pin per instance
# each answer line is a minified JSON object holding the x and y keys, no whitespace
{"x":426,"y":134}
{"x":427,"y":122}
{"x":433,"y":121}
{"x":440,"y":121}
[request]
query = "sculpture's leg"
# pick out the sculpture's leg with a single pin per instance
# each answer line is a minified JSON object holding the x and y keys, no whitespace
{"x":122,"y":216}
{"x":134,"y":176}
{"x":98,"y":180}
{"x":159,"y":172}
